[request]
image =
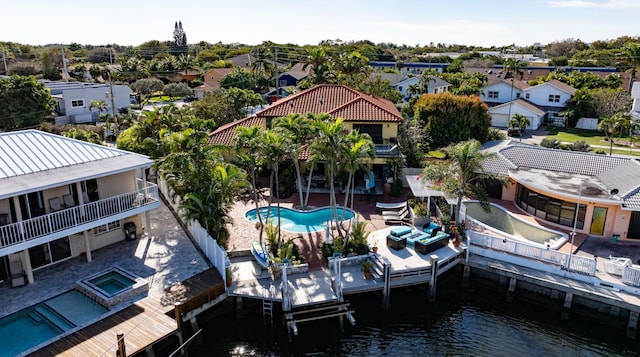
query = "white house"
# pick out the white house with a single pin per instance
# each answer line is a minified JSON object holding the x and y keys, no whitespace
{"x":500,"y":90}
{"x":538,"y":103}
{"x":635,"y":94}
{"x":401,"y":82}
{"x":500,"y":114}
{"x":74,"y":99}
{"x":61,"y":198}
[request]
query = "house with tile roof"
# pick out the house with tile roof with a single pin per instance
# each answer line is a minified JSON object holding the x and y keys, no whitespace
{"x":61,"y":198}
{"x":373,"y":115}
{"x":540,"y":104}
{"x":598,"y":194}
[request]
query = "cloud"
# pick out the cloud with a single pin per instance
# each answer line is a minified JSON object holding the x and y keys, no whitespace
{"x":607,"y":4}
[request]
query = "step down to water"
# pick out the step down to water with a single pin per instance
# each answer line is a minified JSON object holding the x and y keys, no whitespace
{"x":35,"y":317}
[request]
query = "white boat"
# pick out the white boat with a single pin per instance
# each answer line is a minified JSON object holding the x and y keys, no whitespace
{"x":260,"y":254}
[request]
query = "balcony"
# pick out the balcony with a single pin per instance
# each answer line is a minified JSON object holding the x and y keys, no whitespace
{"x":77,"y":219}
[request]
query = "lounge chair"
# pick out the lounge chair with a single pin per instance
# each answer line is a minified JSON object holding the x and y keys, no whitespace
{"x":68,"y":201}
{"x":403,"y":217}
{"x":55,"y":204}
{"x":396,"y":213}
{"x":391,"y":206}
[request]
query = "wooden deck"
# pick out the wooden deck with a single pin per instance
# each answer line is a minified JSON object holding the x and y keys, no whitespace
{"x":143,"y":323}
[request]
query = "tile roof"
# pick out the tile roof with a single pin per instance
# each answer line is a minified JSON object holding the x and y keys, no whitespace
{"x":336,"y":100}
{"x":224,"y":134}
{"x":610,"y":171}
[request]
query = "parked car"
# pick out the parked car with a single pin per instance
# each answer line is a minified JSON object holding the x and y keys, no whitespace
{"x":514,"y":130}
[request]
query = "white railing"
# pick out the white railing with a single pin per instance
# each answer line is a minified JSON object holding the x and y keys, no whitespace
{"x":28,"y":229}
{"x":209,"y":246}
{"x":574,"y":263}
{"x":631,"y":275}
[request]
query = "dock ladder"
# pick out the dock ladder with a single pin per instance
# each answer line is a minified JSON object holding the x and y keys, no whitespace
{"x":267,"y":311}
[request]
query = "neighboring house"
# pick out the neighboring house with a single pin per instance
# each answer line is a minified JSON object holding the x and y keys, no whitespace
{"x":549,"y":98}
{"x":242,"y":61}
{"x":500,"y":91}
{"x":74,"y":98}
{"x":401,"y":82}
{"x":61,"y":198}
{"x":549,"y":184}
{"x":211,"y":81}
{"x":408,"y":67}
{"x":375,"y":116}
{"x":292,"y":77}
{"x":500,"y":114}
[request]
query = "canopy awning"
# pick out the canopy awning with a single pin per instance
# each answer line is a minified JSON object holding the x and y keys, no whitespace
{"x":420,"y":189}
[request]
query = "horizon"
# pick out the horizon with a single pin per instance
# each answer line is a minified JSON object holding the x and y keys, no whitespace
{"x":500,"y":24}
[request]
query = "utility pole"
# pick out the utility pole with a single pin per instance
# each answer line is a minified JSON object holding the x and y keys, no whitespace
{"x":113,"y":100}
{"x":276,"y":74}
{"x":64,"y":65}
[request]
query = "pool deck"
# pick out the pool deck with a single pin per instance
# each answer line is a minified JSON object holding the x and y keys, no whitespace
{"x":165,"y":259}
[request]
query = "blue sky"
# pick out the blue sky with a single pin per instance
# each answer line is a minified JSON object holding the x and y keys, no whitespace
{"x":469,"y":22}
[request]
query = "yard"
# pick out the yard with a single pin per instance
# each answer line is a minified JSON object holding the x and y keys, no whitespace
{"x":594,"y":138}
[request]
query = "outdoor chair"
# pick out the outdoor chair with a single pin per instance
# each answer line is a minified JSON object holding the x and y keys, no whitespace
{"x":55,"y":204}
{"x":68,"y":201}
{"x":402,"y":217}
{"x":17,"y":273}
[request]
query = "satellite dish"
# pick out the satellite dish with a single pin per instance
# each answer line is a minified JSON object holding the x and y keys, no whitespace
{"x":614,"y":192}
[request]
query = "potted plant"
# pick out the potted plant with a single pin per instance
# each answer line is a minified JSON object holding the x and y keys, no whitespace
{"x":366,"y":268}
{"x":229,"y":276}
{"x":374,"y":248}
{"x":421,"y":214}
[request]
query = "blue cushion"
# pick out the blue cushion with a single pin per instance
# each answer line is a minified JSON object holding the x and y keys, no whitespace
{"x":400,"y":231}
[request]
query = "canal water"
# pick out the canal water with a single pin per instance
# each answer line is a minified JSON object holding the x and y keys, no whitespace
{"x":472,"y":322}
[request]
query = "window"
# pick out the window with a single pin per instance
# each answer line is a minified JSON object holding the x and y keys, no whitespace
{"x":554,"y":98}
{"x":527,"y":95}
{"x":493,"y":94}
{"x":556,"y":211}
{"x":518,"y":95}
{"x":111,"y":226}
{"x":77,"y":103}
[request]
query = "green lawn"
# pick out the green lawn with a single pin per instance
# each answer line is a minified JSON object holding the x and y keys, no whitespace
{"x":591,"y":137}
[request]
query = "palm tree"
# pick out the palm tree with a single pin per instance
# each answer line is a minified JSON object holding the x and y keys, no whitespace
{"x":353,"y":67}
{"x":320,"y":64}
{"x":299,"y":128}
{"x":520,"y":121}
{"x":463,"y":173}
{"x":276,"y":147}
{"x":328,"y":145}
{"x":262,"y":66}
{"x":610,"y":127}
{"x":248,"y":147}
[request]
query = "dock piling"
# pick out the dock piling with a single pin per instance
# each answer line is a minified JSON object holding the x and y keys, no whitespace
{"x":566,"y":308}
{"x":632,"y":325}
{"x":513,"y":282}
{"x":433,"y":260}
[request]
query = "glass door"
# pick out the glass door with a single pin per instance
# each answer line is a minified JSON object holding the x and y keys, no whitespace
{"x":598,"y":220}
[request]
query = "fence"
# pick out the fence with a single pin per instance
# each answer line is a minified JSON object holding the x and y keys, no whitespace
{"x":571,"y":262}
{"x":209,"y":246}
{"x":631,"y":276}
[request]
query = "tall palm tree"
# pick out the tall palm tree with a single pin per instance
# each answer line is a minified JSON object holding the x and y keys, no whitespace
{"x":520,"y":121}
{"x":299,"y":128}
{"x":276,"y":147}
{"x":463,"y":173}
{"x":248,"y":146}
{"x":353,"y":67}
{"x":320,"y":64}
{"x":328,"y":145}
{"x":610,"y":127}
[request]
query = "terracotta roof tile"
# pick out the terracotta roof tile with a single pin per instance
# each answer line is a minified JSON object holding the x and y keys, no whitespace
{"x":224,"y":134}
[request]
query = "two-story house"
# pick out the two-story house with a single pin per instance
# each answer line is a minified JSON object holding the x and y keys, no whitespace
{"x":61,"y":198}
{"x":375,"y":116}
{"x":74,"y":99}
{"x":540,"y":104}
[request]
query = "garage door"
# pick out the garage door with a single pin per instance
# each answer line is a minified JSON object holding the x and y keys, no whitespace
{"x":499,"y":120}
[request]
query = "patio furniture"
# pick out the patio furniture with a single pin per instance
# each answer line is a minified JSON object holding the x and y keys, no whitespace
{"x":400,"y":231}
{"x":401,"y":217}
{"x":68,"y":201}
{"x":432,"y":229}
{"x":396,"y":243}
{"x":55,"y":204}
{"x":17,"y":273}
{"x":415,"y":236}
{"x":391,"y":206}
{"x":428,"y":245}
{"x":616,"y":265}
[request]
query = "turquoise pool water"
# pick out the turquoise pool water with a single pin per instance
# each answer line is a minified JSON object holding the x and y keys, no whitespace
{"x":297,"y":221}
{"x":112,"y":282}
{"x":34,"y":325}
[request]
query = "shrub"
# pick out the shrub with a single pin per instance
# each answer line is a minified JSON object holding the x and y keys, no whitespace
{"x":580,"y":146}
{"x":550,"y":143}
{"x":495,"y":134}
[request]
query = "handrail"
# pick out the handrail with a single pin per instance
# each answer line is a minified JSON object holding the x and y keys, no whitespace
{"x":577,"y":264}
{"x":631,"y":275}
{"x":28,"y":229}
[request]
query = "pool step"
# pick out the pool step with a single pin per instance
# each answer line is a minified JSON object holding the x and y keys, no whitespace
{"x":35,"y":317}
{"x":54,"y":318}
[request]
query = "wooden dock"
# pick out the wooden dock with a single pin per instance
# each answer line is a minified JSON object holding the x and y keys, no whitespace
{"x":143,"y":323}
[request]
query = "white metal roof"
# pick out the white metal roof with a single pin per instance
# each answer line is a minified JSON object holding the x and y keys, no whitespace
{"x":32,"y":159}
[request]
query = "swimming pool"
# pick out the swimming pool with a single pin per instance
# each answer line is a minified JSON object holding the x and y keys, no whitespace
{"x":296,"y":221}
{"x":42,"y":322}
{"x":501,"y":221}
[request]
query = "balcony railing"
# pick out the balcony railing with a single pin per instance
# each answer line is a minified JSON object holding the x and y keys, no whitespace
{"x":74,"y":217}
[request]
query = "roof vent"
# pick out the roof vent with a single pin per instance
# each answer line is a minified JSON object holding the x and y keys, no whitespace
{"x":321,"y":100}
